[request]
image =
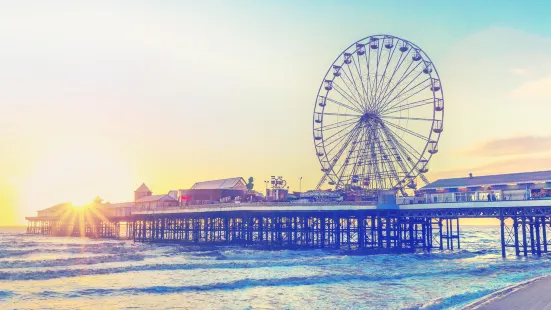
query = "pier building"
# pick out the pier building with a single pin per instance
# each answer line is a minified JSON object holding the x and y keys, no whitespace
{"x":511,"y":186}
{"x":213,"y":191}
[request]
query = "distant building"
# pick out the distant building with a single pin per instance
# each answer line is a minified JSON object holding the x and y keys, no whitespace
{"x":155,"y":202}
{"x":142,"y":191}
{"x":213,"y":191}
{"x":277,"y":194}
{"x":55,"y":211}
{"x":145,"y":200}
{"x":512,"y":186}
{"x":121,"y":209}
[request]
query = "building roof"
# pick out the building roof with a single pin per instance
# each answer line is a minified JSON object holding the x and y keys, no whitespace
{"x":491,"y":180}
{"x":57,"y":207}
{"x":220,"y":184}
{"x":155,"y":198}
{"x":119,"y":205}
{"x":143,"y":189}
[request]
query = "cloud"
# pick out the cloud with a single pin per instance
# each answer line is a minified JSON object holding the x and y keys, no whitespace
{"x":538,"y":89}
{"x":511,"y":146}
{"x":520,"y":71}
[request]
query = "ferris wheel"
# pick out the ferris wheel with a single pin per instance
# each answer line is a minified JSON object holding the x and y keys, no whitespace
{"x":378,"y":116}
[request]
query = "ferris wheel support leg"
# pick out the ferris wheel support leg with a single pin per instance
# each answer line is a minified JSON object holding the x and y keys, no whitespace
{"x":321,"y":182}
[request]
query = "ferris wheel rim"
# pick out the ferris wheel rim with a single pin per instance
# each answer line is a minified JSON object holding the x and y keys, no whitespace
{"x":433,"y":137}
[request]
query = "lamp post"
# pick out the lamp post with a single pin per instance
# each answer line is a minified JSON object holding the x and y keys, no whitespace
{"x":300,"y":185}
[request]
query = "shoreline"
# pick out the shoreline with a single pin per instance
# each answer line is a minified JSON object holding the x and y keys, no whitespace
{"x":503,"y":293}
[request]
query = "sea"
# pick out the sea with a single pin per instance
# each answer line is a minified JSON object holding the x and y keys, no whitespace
{"x":40,"y":272}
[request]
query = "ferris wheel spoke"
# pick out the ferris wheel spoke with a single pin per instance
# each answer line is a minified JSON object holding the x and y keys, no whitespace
{"x":345,"y":165}
{"x":380,"y":85}
{"x":397,"y":104}
{"x":334,"y":160}
{"x":393,"y":175}
{"x":386,"y":167}
{"x":411,"y":105}
{"x":340,"y":114}
{"x":358,"y":99}
{"x":337,"y":141}
{"x":352,"y":80}
{"x":336,"y":134}
{"x":420,"y":136}
{"x":404,"y":91}
{"x":365,"y":87}
{"x":359,"y":157}
{"x":405,"y":163}
{"x":338,"y":124}
{"x":401,"y":154}
{"x":346,"y":96}
{"x":374,"y":168}
{"x":400,"y":141}
{"x":343,"y":105}
{"x":376,"y":82}
{"x":409,"y":118}
{"x":341,"y":151}
{"x":384,"y":101}
{"x":401,"y":60}
{"x":381,"y":167}
{"x":404,"y":75}
{"x":369,"y":87}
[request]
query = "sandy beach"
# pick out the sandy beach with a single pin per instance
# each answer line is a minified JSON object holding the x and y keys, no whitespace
{"x":533,"y":294}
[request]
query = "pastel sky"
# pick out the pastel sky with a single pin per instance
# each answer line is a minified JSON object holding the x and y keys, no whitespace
{"x":99,"y":96}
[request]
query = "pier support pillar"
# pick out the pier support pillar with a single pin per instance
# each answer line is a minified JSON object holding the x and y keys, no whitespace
{"x":515,"y":227}
{"x":502,"y":225}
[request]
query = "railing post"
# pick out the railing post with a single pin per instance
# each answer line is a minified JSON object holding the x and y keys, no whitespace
{"x":361,"y":231}
{"x":338,"y":232}
{"x":532,"y":241}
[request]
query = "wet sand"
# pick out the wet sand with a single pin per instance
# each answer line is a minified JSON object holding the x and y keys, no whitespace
{"x":534,"y":294}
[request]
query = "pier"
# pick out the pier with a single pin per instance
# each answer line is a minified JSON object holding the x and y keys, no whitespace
{"x":525,"y":226}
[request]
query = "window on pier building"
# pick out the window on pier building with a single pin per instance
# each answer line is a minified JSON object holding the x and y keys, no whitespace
{"x":439,"y":198}
{"x":462,"y":197}
{"x":483,"y":196}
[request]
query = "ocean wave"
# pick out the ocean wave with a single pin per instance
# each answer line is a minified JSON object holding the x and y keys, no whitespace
{"x":6,"y":294}
{"x":11,"y":253}
{"x":367,"y":270}
{"x":453,"y":300}
{"x":231,"y":285}
{"x":121,"y":250}
{"x":71,"y":261}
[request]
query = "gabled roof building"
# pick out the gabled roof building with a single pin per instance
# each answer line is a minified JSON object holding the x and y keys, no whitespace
{"x":213,"y":191}
{"x":511,"y":186}
{"x":231,"y":183}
